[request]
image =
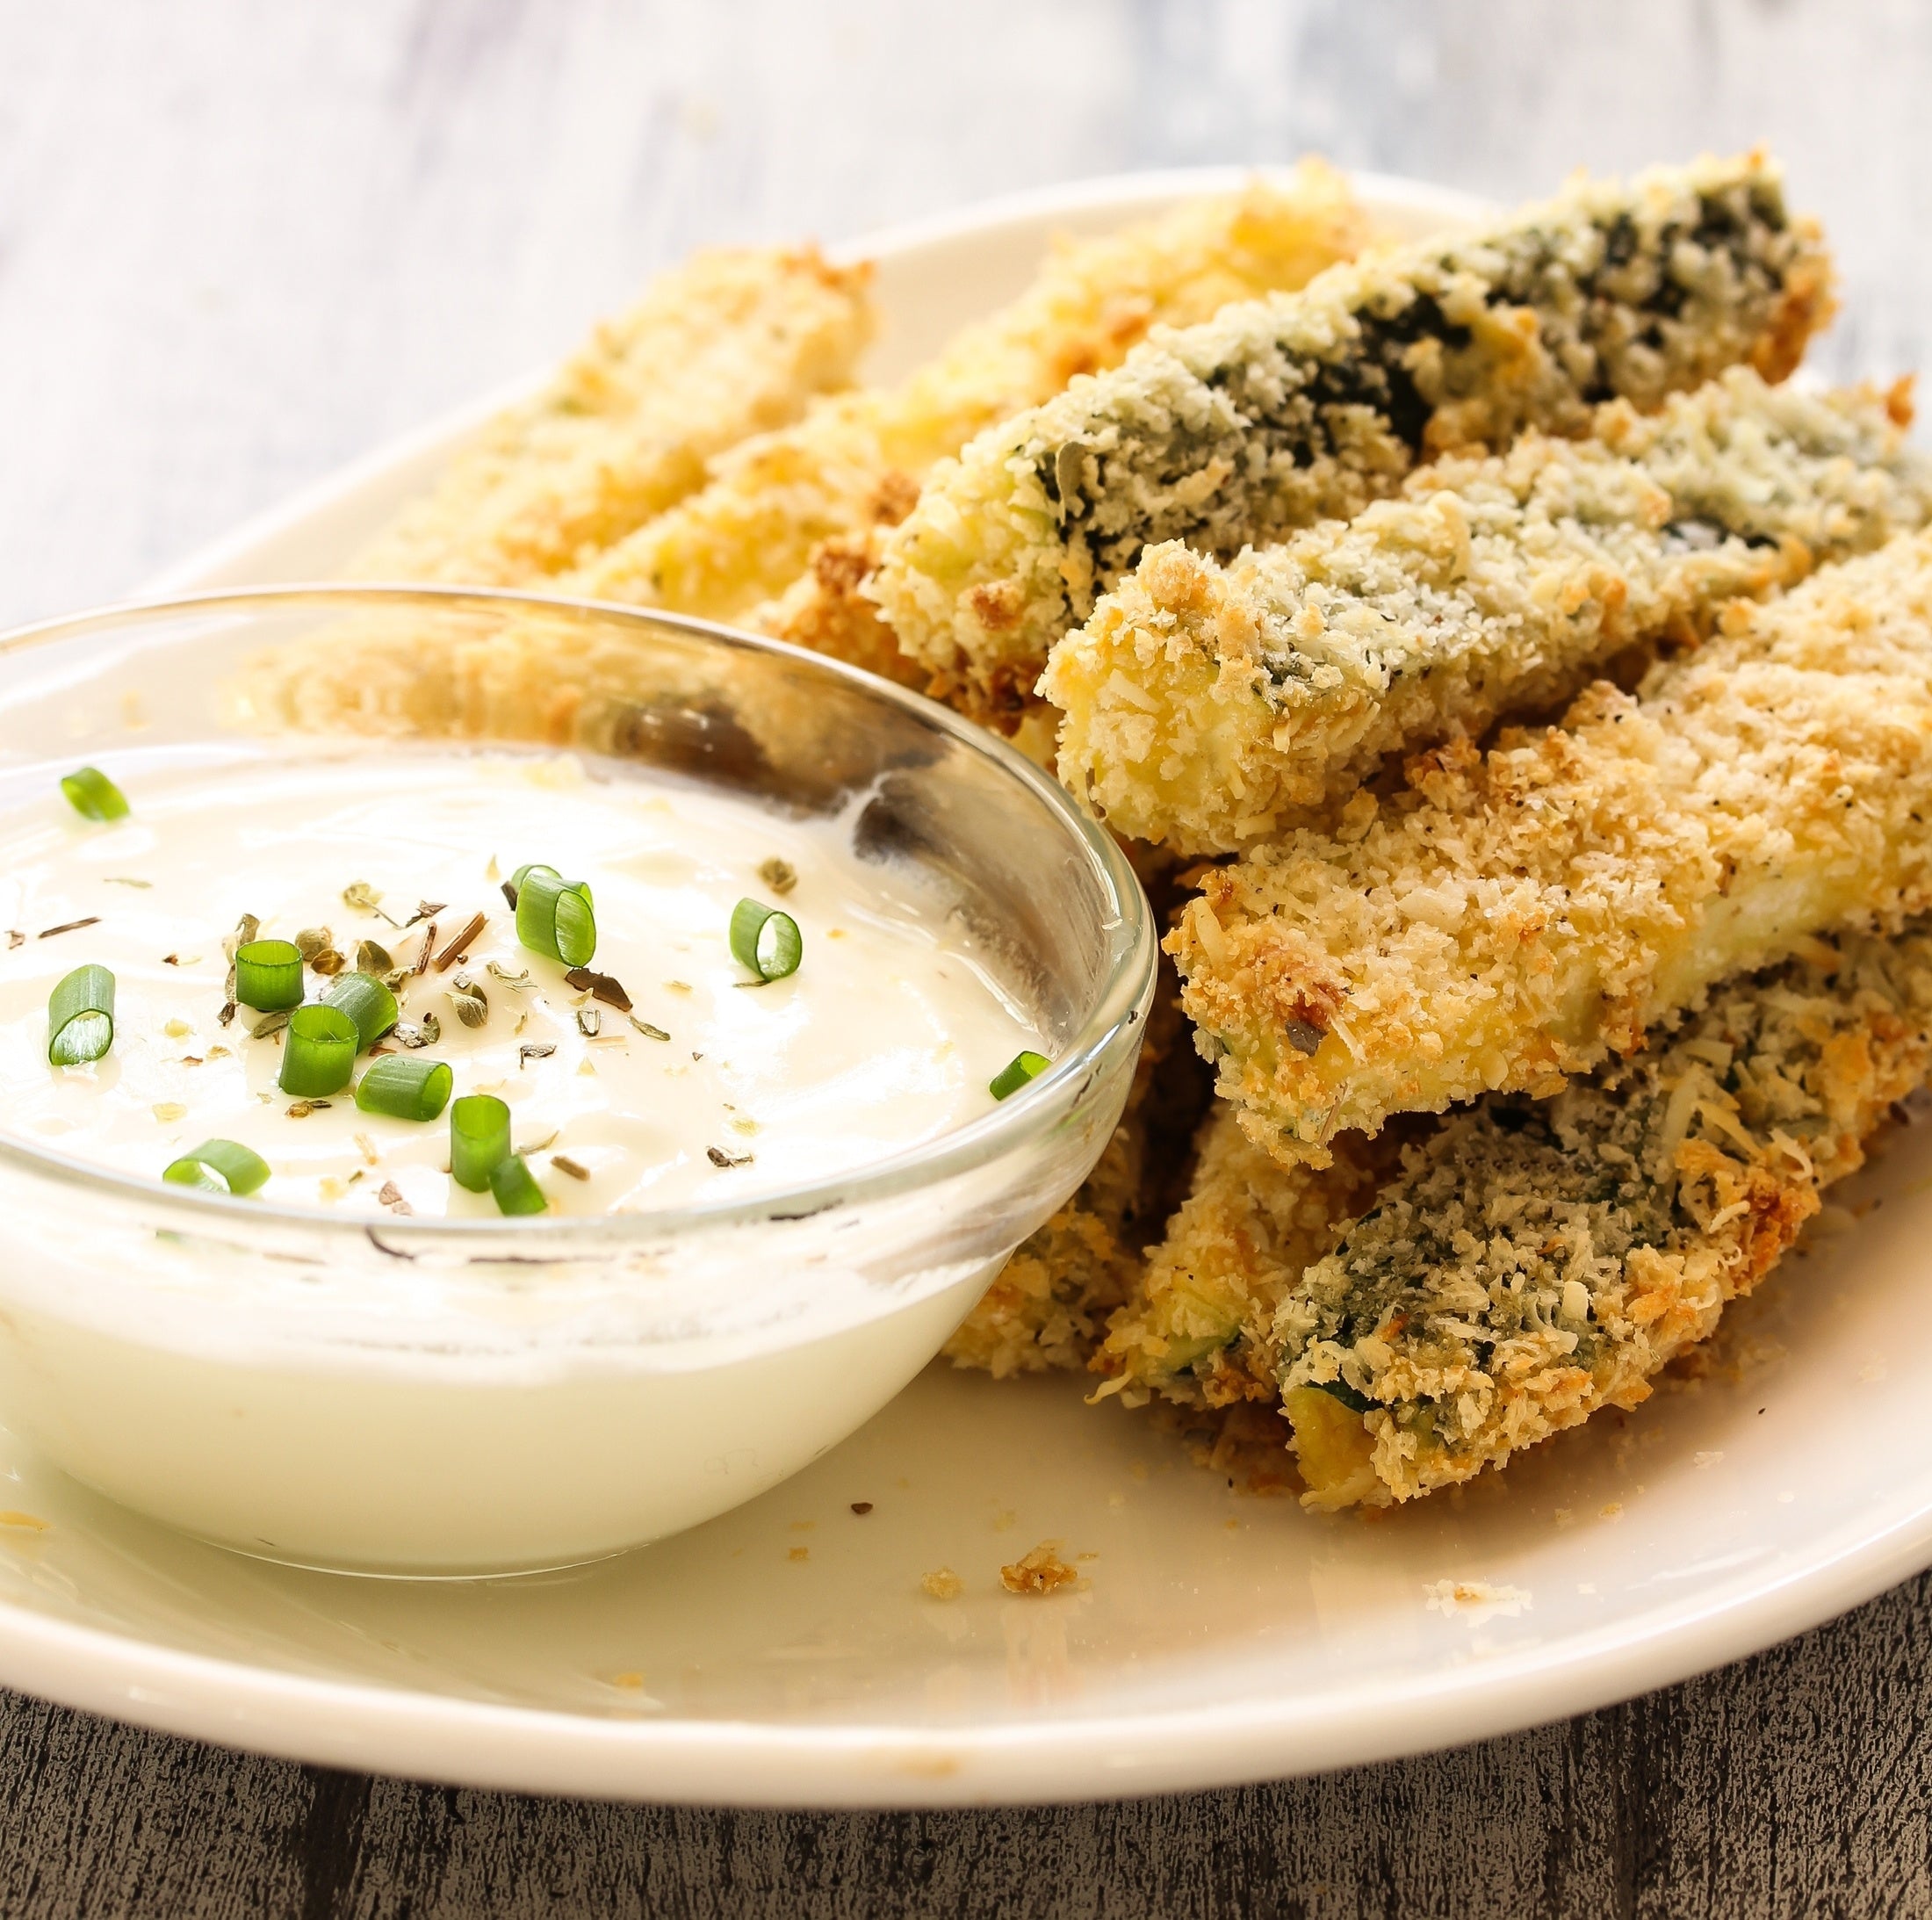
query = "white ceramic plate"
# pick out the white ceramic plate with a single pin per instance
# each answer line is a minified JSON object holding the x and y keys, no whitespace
{"x":785,"y":1653}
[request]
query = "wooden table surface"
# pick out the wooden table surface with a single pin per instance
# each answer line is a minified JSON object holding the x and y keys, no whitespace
{"x":239,"y":244}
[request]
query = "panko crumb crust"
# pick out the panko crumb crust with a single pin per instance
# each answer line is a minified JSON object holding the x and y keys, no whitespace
{"x":1534,"y":1261}
{"x":857,"y":460}
{"x":734,"y":342}
{"x":1212,"y":707}
{"x":1297,"y":407}
{"x":1422,"y":1311}
{"x":1197,"y":1326}
{"x":1511,"y":919}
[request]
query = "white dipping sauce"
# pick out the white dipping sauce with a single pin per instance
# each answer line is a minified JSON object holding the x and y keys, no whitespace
{"x":886,"y":1035}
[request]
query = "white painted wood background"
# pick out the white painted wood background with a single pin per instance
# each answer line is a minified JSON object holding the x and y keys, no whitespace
{"x":242,"y":242}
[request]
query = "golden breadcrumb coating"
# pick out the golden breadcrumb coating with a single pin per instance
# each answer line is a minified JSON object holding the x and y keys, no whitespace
{"x":1298,"y":407}
{"x":825,"y":610}
{"x":1211,"y":707}
{"x":732,"y":343}
{"x":1198,"y":1324}
{"x":1533,"y":1262}
{"x":856,"y":461}
{"x":1049,"y":1303}
{"x":1512,"y":918}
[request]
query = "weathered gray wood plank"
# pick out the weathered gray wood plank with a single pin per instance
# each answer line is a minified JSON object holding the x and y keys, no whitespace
{"x":239,"y":245}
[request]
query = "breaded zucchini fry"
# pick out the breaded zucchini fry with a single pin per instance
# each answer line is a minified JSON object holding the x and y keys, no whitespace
{"x":1300,"y":408}
{"x":733,"y":344}
{"x":1197,"y":1326}
{"x":1534,"y":1262}
{"x":1045,"y":1309}
{"x":1209,"y":707}
{"x":1048,"y":1306}
{"x":857,"y":461}
{"x":1513,"y":918}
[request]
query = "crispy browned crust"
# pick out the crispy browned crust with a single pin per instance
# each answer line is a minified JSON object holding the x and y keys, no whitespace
{"x":1512,"y":918}
{"x":1518,"y":1267}
{"x":1281,"y":412}
{"x":855,"y":462}
{"x":730,"y":344}
{"x":1532,"y":1264}
{"x":1215,"y":707}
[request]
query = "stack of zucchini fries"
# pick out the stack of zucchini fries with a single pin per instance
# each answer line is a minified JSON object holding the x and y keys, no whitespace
{"x":1517,"y":690}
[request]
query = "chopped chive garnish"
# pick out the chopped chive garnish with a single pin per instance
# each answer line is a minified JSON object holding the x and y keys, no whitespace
{"x":765,"y":939}
{"x":219,"y":1166}
{"x":1016,"y":1072}
{"x":479,"y":1139}
{"x":516,"y":1187}
{"x":554,"y":916}
{"x":80,"y":1017}
{"x":366,"y":1001}
{"x":268,"y":975}
{"x":404,"y":1088}
{"x":319,"y":1051}
{"x":93,"y":796}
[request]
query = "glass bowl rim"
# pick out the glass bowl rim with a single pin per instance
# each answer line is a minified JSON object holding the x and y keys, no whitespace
{"x":960,"y":1150}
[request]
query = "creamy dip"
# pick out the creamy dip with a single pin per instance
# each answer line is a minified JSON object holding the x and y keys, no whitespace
{"x":887,"y":1034}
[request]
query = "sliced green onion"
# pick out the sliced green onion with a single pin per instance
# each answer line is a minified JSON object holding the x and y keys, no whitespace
{"x":80,"y":1017}
{"x":403,"y":1087}
{"x":219,"y":1166}
{"x":367,"y":1001}
{"x":268,"y":975}
{"x":479,"y":1139}
{"x":554,"y":916}
{"x":1016,"y":1072}
{"x":516,"y":1187}
{"x":318,"y":1052}
{"x":93,"y":795}
{"x":765,"y":939}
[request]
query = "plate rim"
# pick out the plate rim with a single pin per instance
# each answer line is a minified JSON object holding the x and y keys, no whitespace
{"x":401,"y":1730}
{"x":407,"y":1732}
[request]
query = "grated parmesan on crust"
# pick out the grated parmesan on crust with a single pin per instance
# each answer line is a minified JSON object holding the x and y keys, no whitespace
{"x":855,"y":463}
{"x":730,"y":344}
{"x":1513,"y":918}
{"x":1211,"y":707}
{"x":1292,"y":409}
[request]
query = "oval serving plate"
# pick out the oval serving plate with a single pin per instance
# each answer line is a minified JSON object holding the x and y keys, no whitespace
{"x":788,"y":1653}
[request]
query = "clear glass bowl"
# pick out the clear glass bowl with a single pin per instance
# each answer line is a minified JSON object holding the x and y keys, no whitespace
{"x":483,"y":1395}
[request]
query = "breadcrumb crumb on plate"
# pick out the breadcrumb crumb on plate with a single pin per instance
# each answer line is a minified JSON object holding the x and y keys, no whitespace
{"x":1040,"y":1571}
{"x":1477,"y":1601}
